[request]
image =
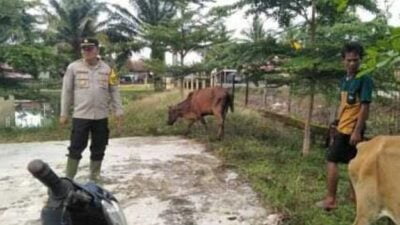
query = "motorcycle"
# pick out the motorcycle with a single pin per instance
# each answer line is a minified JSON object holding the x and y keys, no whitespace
{"x":70,"y":203}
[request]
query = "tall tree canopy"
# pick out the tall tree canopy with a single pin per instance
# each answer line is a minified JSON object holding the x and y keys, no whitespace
{"x":71,"y":20}
{"x":125,"y":25}
{"x":16,"y":24}
{"x":284,"y":11}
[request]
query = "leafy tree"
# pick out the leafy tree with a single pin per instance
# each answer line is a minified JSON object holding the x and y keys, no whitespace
{"x":284,"y":11}
{"x":314,"y":13}
{"x":31,"y":59}
{"x":247,"y":55}
{"x":154,"y":12}
{"x":188,"y":32}
{"x":71,"y":20}
{"x":385,"y":53}
{"x":116,"y":51}
{"x":216,"y":56}
{"x":256,"y":31}
{"x":16,"y":24}
{"x":149,"y":12}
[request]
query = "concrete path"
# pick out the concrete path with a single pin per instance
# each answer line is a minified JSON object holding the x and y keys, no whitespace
{"x":158,"y":180}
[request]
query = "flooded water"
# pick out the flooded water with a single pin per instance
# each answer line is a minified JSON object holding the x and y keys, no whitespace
{"x":25,"y":113}
{"x":30,"y":113}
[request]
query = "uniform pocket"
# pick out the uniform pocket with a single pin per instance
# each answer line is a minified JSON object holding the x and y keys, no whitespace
{"x":102,"y":81}
{"x":82,"y":81}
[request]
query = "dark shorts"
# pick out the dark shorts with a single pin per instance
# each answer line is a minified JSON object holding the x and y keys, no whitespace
{"x":341,"y":151}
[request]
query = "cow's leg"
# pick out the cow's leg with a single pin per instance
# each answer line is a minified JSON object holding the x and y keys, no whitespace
{"x":365,"y":215}
{"x":220,"y":122}
{"x":352,"y":194}
{"x":367,"y":205}
{"x":190,"y":124}
{"x":203,"y":121}
{"x":219,"y":113}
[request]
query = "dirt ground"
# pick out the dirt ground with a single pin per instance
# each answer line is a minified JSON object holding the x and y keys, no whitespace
{"x":158,"y":180}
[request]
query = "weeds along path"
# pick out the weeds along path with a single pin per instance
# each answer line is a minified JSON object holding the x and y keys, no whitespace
{"x":158,"y":180}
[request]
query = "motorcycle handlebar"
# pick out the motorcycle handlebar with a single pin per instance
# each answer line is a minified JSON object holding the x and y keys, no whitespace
{"x":42,"y":171}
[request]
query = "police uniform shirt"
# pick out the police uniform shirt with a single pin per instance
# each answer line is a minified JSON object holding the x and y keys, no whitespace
{"x":91,"y":90}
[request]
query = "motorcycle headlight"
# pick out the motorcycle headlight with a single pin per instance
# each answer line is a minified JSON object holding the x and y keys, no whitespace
{"x":113,"y":213}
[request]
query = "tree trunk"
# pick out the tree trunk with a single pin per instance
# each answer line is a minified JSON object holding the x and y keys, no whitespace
{"x":246,"y":97}
{"x":313,"y":25}
{"x":158,"y":83}
{"x":157,"y":53}
{"x":396,"y":103}
{"x":182,"y":76}
{"x":289,"y":100}
{"x":233,"y":87}
{"x":265,"y":93}
{"x":307,"y":131}
{"x":307,"y":125}
{"x":76,"y":45}
{"x":332,"y":114}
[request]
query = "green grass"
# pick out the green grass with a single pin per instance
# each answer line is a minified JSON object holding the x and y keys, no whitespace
{"x":261,"y":151}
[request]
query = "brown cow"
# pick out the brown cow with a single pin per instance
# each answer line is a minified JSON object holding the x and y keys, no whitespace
{"x":209,"y":101}
{"x":375,"y":174}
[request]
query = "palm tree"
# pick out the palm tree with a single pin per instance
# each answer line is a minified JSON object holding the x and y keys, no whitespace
{"x":121,"y":34}
{"x":16,"y":24}
{"x":153,"y":12}
{"x":256,"y":32}
{"x":149,"y":13}
{"x":73,"y":20}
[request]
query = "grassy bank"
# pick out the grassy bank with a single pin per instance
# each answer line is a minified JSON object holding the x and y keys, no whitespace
{"x":261,"y":151}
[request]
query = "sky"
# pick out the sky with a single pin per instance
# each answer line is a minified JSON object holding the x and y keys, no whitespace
{"x":237,"y":22}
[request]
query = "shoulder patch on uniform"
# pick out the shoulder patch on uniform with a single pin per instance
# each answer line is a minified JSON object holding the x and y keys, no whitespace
{"x":113,"y":78}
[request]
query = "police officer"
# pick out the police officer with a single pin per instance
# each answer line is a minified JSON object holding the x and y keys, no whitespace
{"x":90,"y":86}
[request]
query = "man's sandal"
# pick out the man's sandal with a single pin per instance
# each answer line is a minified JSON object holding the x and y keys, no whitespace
{"x":322,"y":204}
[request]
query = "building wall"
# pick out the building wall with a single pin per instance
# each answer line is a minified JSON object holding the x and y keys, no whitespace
{"x":169,"y":83}
{"x":7,"y":112}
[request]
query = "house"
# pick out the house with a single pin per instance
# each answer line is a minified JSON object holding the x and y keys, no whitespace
{"x":139,"y":73}
{"x":10,"y":73}
{"x":196,"y":81}
{"x":225,"y":76}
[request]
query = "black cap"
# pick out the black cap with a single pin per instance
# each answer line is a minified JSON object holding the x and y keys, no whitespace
{"x":89,"y":42}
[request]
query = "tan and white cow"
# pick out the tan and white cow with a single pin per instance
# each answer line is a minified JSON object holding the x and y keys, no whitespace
{"x":375,"y":174}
